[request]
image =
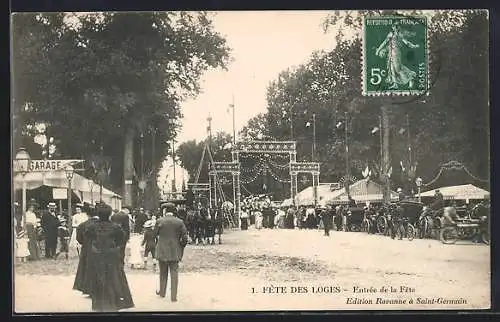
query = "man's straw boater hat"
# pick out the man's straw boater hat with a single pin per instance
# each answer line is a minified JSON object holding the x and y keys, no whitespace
{"x":148,"y":224}
{"x":52,"y":205}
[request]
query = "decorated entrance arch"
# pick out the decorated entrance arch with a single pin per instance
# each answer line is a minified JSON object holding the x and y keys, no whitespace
{"x":265,"y":147}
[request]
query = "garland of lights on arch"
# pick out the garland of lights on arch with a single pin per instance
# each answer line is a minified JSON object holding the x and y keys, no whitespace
{"x":264,"y":164}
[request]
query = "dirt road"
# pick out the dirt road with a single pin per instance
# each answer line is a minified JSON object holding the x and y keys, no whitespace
{"x":289,"y":270}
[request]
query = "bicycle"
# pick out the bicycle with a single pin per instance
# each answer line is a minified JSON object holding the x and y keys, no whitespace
{"x":403,"y":228}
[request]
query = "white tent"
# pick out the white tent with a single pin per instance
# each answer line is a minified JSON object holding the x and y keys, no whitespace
{"x":306,"y":196}
{"x":461,"y":192}
{"x":287,"y":202}
{"x":362,"y":191}
{"x":86,"y":189}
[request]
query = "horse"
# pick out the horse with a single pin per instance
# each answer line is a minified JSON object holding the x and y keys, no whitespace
{"x":201,"y":223}
{"x":214,"y":225}
{"x":191,"y":224}
{"x":208,"y":226}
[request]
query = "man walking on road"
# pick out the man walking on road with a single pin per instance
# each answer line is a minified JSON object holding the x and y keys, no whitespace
{"x":171,"y":234}
{"x":327,"y":217}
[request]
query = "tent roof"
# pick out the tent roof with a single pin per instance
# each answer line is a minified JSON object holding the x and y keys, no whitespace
{"x":461,"y":192}
{"x":306,"y":196}
{"x":362,"y":190}
{"x":57,"y":179}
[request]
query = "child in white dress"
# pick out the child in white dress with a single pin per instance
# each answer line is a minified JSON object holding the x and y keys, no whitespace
{"x":258,"y":220}
{"x":135,"y":259}
{"x":22,"y":250}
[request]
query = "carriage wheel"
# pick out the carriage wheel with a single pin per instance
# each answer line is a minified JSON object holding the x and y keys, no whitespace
{"x":448,"y":235}
{"x":410,"y":232}
{"x":382,"y":225}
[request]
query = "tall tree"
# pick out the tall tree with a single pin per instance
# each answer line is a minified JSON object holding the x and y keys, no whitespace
{"x":190,"y":154}
{"x":442,"y":126}
{"x":112,"y":82}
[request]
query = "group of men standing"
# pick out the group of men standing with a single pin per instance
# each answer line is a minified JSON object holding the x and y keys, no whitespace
{"x":48,"y":225}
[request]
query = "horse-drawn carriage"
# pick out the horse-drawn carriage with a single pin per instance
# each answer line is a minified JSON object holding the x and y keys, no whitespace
{"x":203,"y":224}
{"x":353,"y":218}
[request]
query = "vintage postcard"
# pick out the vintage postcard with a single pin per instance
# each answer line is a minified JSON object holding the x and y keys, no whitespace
{"x":250,"y":161}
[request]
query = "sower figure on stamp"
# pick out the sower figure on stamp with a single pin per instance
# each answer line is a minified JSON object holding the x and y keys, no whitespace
{"x":398,"y":74}
{"x":171,"y":234}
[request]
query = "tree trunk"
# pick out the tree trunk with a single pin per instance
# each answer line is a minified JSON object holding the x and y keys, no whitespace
{"x":386,"y":158}
{"x":128,"y":168}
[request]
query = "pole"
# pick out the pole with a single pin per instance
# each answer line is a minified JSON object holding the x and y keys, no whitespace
{"x":347,"y":171}
{"x":419,"y":197}
{"x":234,"y":121}
{"x":291,"y":123}
{"x":174,"y":188}
{"x":409,"y":139}
{"x":314,"y":138}
{"x":69,"y":198}
{"x":153,"y":169}
{"x":23,"y":223}
{"x":101,"y":174}
{"x":386,"y":156}
{"x":209,"y":119}
{"x":381,"y":145}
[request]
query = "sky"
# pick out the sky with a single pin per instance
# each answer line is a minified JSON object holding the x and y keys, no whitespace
{"x":263,"y":44}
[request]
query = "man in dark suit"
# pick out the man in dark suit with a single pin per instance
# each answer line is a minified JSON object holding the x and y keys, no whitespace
{"x":50,"y":223}
{"x":123,"y":220}
{"x":171,"y":234}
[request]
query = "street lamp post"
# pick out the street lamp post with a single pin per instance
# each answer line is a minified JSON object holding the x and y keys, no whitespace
{"x":22,"y":162}
{"x":418,"y":182}
{"x":69,"y":175}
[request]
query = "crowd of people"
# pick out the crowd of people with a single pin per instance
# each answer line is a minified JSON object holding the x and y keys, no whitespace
{"x":261,"y":213}
{"x":101,"y":237}
{"x":266,"y":215}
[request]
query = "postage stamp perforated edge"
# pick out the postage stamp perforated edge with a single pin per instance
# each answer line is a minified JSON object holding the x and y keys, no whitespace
{"x":364,"y":90}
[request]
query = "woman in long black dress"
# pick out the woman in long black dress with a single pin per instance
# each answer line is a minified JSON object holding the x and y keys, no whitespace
{"x":108,"y":284}
{"x":83,"y":272}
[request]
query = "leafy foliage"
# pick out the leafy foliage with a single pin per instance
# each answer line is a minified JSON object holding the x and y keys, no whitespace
{"x":190,"y":154}
{"x":93,"y":78}
{"x":451,"y":123}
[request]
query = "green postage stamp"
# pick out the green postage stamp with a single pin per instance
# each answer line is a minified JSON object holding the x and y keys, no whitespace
{"x":395,"y":55}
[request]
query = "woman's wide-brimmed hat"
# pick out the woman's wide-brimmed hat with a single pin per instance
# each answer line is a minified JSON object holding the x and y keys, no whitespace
{"x":52,"y":205}
{"x":32,"y":202}
{"x":148,"y":224}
